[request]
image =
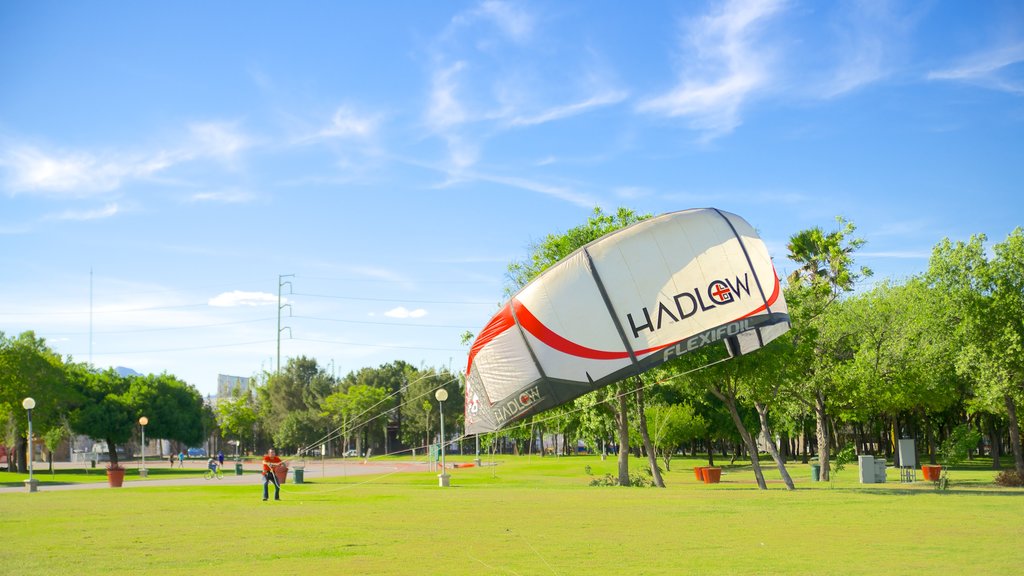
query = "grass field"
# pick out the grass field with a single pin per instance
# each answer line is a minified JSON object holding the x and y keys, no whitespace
{"x":522,"y":516}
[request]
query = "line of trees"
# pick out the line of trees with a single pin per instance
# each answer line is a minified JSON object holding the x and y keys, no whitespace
{"x":73,"y":398}
{"x":913,"y":358}
{"x":385,"y":409}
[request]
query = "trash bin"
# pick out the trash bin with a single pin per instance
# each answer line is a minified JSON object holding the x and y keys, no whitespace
{"x":879,"y":470}
{"x":238,"y":468}
{"x":866,"y":464}
{"x":298,"y":475}
{"x":816,"y":472}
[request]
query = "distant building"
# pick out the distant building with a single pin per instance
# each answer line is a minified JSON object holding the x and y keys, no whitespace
{"x":227,"y":385}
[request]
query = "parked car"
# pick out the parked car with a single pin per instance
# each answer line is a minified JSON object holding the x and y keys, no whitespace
{"x":351,"y":454}
{"x":196,"y":453}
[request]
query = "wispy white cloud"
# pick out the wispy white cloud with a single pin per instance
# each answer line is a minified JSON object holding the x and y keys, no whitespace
{"x":988,"y":69}
{"x":445,"y":110}
{"x":79,"y":173}
{"x":865,"y":42}
{"x":223,"y":197}
{"x":722,"y":69}
{"x":560,"y":192}
{"x":220,"y":140}
{"x":242,"y":298}
{"x":107,"y":211}
{"x":347,"y":123}
{"x":510,"y":19}
{"x":402,"y":312}
{"x":605,"y":98}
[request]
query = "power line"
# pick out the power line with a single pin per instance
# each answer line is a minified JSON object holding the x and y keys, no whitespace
{"x":168,"y":328}
{"x":398,"y":300}
{"x":369,"y":322}
{"x":368,"y":345}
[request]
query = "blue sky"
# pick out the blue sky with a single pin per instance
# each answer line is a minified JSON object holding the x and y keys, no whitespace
{"x":169,"y":161}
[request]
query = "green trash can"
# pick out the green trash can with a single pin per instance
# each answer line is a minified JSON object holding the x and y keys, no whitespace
{"x":238,"y":468}
{"x":816,"y":472}
{"x":298,"y":475}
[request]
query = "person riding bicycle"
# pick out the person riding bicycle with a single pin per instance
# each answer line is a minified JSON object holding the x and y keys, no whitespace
{"x":212,"y":464}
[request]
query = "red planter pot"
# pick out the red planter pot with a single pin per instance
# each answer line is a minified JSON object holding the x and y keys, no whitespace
{"x":115,"y":477}
{"x":931,"y":472}
{"x":697,"y":472}
{"x":711,"y":475}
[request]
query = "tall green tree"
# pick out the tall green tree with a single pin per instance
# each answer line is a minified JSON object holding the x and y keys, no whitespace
{"x":237,"y":417}
{"x":30,"y":368}
{"x":301,"y":387}
{"x":173,"y":407}
{"x":107,"y":413}
{"x":986,"y":304}
{"x":826,"y":271}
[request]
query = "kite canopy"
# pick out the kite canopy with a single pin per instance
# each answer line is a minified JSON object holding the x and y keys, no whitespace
{"x":623,"y":304}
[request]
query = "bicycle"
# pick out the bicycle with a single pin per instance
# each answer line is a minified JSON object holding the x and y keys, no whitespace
{"x":210,"y":473}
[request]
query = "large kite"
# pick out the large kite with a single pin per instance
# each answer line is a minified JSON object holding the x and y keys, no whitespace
{"x":625,"y":303}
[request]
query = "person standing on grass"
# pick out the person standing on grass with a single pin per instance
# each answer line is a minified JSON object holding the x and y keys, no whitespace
{"x":270,"y":462}
{"x":220,"y":458}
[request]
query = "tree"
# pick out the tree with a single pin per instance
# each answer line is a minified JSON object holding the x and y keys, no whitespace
{"x":670,"y":426}
{"x":826,"y":273}
{"x":107,"y":413}
{"x":302,"y":386}
{"x":985,"y":307}
{"x":174,"y":408}
{"x":28,"y":367}
{"x":237,"y":417}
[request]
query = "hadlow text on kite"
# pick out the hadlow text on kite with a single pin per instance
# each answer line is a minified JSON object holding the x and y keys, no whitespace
{"x":686,"y":304}
{"x":516,"y":405}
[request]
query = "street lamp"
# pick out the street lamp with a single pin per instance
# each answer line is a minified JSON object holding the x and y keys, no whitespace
{"x":441,"y":395}
{"x":142,"y":471}
{"x":28,"y":404}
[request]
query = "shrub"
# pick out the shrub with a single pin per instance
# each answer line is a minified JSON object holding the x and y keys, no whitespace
{"x":634,"y":480}
{"x":1010,"y":479}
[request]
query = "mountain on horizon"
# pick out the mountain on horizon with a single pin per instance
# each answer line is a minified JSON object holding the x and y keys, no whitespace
{"x":121,"y":370}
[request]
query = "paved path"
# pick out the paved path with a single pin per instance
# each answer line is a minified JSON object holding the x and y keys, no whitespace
{"x":313,"y":471}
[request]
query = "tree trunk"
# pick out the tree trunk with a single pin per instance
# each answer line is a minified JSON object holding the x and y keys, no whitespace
{"x":651,"y":456}
{"x":929,"y":435}
{"x":996,"y":440}
{"x":622,"y":420}
{"x":1018,"y":456}
{"x":823,"y":437}
{"x":711,"y":452}
{"x":730,"y":403}
{"x":20,"y":453}
{"x":762,"y":414}
{"x":112,"y":450}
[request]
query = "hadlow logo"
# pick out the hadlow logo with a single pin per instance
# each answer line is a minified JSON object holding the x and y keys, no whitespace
{"x":687,"y":303}
{"x":474,"y":404}
{"x":517,"y":405}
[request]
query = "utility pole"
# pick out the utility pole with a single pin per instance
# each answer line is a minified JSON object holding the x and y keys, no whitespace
{"x":280,"y":284}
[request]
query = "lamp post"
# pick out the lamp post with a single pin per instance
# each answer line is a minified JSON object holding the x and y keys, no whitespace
{"x":443,"y":478}
{"x":28,"y":404}
{"x":142,"y":471}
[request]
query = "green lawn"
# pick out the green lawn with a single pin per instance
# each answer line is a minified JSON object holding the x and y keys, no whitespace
{"x":522,"y":516}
